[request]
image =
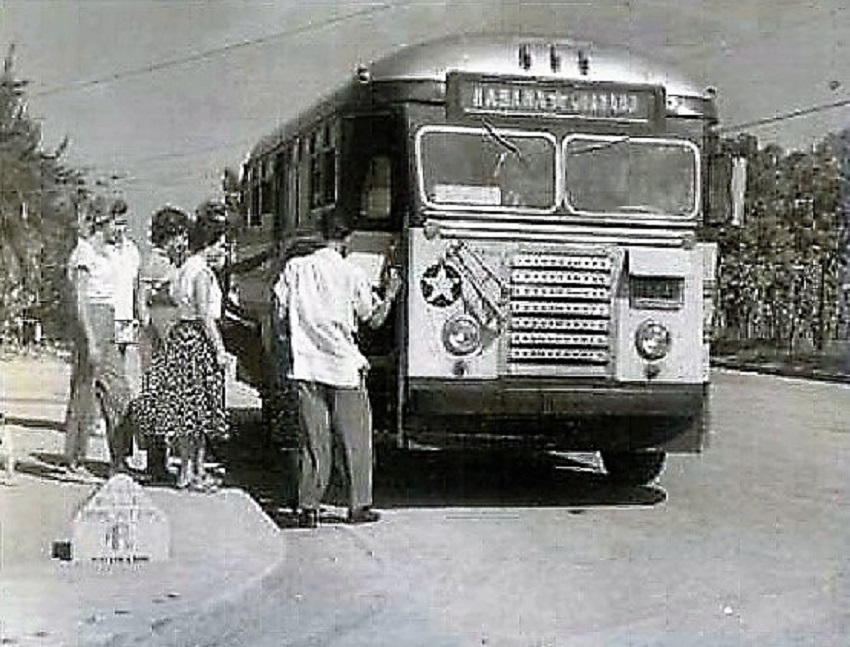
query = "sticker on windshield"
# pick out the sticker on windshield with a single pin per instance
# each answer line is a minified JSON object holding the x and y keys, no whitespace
{"x":467,"y":194}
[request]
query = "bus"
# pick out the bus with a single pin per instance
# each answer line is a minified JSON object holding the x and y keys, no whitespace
{"x":548,"y":204}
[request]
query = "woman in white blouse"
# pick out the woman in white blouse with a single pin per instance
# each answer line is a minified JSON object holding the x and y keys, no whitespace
{"x":186,"y":383}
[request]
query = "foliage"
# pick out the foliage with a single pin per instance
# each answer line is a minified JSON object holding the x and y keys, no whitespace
{"x":779,"y":271}
{"x":38,"y":198}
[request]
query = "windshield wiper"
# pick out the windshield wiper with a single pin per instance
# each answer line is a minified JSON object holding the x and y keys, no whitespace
{"x":502,"y":139}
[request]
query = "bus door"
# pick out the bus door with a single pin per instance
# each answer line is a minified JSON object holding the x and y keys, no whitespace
{"x":373,"y":191}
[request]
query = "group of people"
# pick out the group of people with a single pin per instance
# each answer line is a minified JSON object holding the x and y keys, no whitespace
{"x":148,"y":354}
{"x":161,"y":322}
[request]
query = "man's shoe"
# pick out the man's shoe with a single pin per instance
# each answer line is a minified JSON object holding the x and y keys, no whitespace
{"x":363,"y":515}
{"x":308,"y":518}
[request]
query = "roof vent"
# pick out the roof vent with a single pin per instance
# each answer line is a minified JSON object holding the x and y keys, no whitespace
{"x":525,"y":57}
{"x":583,"y":63}
{"x":554,"y":59}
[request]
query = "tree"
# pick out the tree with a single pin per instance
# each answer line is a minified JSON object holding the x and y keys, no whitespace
{"x":38,"y":200}
{"x":779,"y":271}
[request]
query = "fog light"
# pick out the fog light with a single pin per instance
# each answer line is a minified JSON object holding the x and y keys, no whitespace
{"x":462,"y":335}
{"x":652,"y":340}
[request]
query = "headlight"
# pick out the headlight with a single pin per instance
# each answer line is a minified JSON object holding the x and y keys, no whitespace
{"x":462,"y":335}
{"x":652,"y":340}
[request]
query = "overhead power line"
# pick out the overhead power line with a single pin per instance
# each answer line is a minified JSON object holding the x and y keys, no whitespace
{"x":192,"y":152}
{"x":216,"y":51}
{"x":793,"y":114}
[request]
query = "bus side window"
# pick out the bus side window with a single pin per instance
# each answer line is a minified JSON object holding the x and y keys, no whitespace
{"x":304,"y":182}
{"x":254,"y":205}
{"x":376,"y":196}
{"x":281,"y":170}
{"x":265,"y":197}
{"x":292,"y":186}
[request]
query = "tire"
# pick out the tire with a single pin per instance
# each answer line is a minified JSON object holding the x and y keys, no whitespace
{"x":633,"y":468}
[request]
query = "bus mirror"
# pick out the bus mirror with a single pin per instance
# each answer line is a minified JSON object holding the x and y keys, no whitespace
{"x":738,"y":190}
{"x":726,"y":190}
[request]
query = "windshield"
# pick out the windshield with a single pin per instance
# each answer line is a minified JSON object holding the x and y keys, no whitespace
{"x":486,"y":167}
{"x":618,"y":175}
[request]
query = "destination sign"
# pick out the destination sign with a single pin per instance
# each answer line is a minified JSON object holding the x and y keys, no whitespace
{"x":482,"y":96}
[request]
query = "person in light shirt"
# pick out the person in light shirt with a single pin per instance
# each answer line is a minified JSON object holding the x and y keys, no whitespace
{"x":169,"y":238}
{"x":80,"y":389}
{"x":126,"y":262}
{"x":101,"y":385}
{"x":321,"y":299}
{"x":183,"y":398}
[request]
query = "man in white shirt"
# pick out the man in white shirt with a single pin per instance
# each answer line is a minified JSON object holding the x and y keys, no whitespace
{"x":321,"y":298}
{"x":127,"y":295}
{"x":101,"y":385}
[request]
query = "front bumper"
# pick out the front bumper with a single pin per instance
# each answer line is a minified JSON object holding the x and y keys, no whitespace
{"x":518,"y":398}
{"x":591,"y":415}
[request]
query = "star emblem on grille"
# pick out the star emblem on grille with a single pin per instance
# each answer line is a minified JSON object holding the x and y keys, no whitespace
{"x":441,"y":285}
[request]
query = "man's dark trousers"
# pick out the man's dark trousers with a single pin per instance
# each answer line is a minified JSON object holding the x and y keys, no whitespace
{"x":327,"y":412}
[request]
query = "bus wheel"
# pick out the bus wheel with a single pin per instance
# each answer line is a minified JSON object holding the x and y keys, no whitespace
{"x":633,"y":468}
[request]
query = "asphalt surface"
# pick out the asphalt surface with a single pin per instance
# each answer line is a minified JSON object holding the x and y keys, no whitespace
{"x":744,"y":544}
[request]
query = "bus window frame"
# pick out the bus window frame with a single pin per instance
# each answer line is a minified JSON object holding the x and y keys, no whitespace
{"x":267,"y":207}
{"x":293,"y":151}
{"x":254,"y":217}
{"x":324,"y":144}
{"x":557,"y":196}
{"x":591,"y":137}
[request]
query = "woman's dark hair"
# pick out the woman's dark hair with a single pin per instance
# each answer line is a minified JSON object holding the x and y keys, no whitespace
{"x":167,"y":223}
{"x":210,"y":225}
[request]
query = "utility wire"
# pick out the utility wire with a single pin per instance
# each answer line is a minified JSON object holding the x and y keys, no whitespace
{"x":211,"y":53}
{"x":793,"y":114}
{"x":174,"y":155}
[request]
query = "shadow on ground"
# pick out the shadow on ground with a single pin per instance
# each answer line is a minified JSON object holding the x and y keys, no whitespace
{"x":433,"y":479}
{"x":36,"y":423}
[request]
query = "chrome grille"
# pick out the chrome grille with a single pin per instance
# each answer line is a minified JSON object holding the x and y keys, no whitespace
{"x":560,"y":307}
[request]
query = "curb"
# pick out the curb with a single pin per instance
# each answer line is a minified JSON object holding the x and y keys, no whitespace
{"x":214,"y":605}
{"x":783,"y":371}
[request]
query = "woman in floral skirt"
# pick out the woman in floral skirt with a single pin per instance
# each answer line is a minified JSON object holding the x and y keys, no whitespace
{"x":185,"y":386}
{"x":169,"y":237}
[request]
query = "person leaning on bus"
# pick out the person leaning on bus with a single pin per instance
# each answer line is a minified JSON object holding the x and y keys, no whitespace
{"x":320,"y":299}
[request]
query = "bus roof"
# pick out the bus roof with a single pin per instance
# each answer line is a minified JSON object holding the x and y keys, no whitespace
{"x":500,"y":54}
{"x":504,"y":55}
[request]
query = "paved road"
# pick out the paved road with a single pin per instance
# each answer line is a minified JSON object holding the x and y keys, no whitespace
{"x":746,"y":544}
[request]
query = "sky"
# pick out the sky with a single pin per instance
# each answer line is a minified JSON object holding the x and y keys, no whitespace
{"x":165,"y":93}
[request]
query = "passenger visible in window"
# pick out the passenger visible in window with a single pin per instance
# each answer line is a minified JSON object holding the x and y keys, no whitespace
{"x":376,"y":197}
